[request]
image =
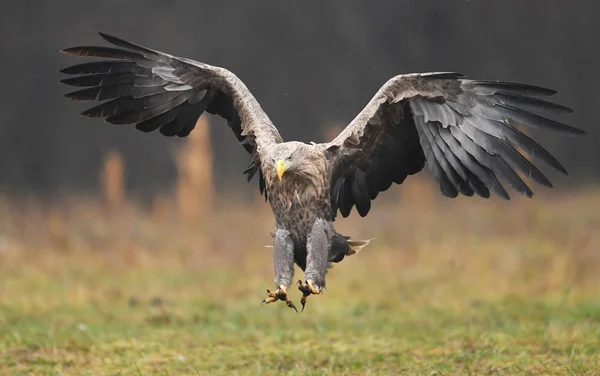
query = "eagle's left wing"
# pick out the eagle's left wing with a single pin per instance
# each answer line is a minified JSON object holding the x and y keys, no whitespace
{"x":466,"y":130}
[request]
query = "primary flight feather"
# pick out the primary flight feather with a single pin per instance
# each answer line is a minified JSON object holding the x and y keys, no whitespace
{"x":467,"y":131}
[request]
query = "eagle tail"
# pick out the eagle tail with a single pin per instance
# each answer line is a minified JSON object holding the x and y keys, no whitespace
{"x":354,"y":246}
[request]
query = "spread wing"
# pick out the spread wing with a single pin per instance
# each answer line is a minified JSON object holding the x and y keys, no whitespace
{"x":154,"y":90}
{"x":466,"y":130}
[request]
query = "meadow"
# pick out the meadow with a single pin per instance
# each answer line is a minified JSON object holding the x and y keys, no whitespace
{"x":104,"y":286}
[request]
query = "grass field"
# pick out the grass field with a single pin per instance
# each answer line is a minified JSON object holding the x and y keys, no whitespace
{"x":448,"y":287}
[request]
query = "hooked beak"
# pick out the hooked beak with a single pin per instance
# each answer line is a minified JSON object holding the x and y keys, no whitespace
{"x":280,"y":166}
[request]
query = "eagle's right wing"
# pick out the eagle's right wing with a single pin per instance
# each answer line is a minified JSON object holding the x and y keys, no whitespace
{"x":155,"y":90}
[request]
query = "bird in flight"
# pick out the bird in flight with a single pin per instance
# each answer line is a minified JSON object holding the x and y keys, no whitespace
{"x":467,"y":131}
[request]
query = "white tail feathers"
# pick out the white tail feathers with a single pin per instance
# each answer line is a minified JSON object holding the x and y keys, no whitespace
{"x":354,"y":246}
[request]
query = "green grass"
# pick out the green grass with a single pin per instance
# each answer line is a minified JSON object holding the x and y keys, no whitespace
{"x":103,"y":321}
{"x":436,"y":294}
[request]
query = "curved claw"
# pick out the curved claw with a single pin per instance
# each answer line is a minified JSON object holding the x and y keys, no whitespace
{"x":308,"y":288}
{"x":303,"y":302}
{"x":265,"y":299}
{"x":279,"y":294}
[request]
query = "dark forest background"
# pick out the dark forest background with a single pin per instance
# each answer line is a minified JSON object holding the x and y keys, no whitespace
{"x":309,"y":63}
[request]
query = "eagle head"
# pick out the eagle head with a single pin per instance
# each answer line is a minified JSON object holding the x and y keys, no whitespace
{"x":291,"y":159}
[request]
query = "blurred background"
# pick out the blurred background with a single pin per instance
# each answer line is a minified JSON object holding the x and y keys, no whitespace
{"x":310,"y":65}
{"x":83,"y":202}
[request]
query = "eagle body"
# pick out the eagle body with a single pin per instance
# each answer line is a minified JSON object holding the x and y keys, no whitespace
{"x":302,"y":196}
{"x":470,"y":134}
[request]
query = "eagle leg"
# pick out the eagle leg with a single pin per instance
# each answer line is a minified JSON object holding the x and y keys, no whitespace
{"x":317,"y":260}
{"x":283,"y":264}
{"x":308,"y":288}
{"x":279,"y":294}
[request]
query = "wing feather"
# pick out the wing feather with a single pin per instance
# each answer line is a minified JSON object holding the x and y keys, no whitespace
{"x":461,"y":167}
{"x":155,"y":90}
{"x":466,"y":130}
{"x":462,"y":176}
{"x":439,"y":166}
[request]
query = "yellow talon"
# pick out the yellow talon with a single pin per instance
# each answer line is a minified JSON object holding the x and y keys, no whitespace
{"x":279,"y":294}
{"x":307,"y":289}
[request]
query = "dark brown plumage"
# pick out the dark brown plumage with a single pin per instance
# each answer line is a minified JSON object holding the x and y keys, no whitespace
{"x":466,"y":130}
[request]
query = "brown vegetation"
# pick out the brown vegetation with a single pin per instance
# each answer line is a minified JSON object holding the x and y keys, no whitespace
{"x":411,"y":222}
{"x":456,"y":268}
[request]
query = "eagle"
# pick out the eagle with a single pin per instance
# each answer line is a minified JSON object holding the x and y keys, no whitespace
{"x":468,"y":132}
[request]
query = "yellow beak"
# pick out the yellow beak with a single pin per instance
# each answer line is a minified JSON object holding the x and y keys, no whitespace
{"x":280,"y":166}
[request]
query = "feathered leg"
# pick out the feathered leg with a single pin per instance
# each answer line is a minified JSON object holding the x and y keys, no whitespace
{"x":317,"y":260}
{"x":283,"y":263}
